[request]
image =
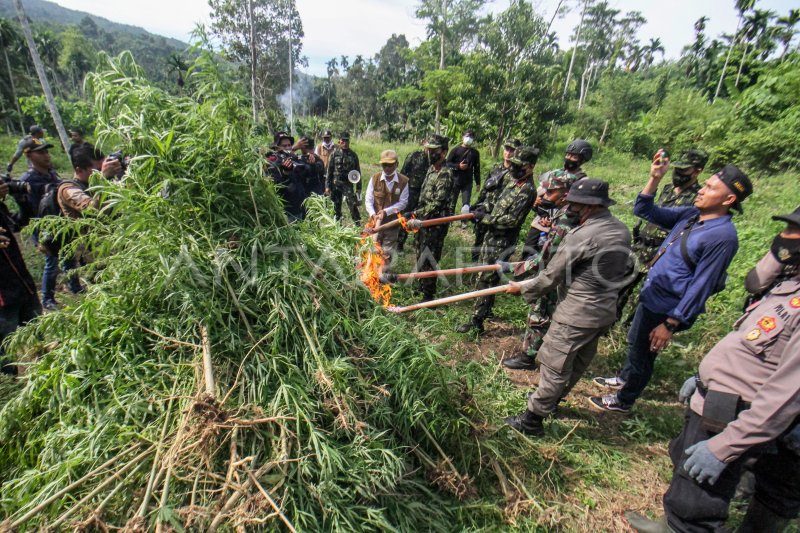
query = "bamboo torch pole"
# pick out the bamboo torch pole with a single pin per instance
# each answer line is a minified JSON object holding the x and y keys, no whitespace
{"x":394,"y":278}
{"x":451,"y":299}
{"x":415,"y":224}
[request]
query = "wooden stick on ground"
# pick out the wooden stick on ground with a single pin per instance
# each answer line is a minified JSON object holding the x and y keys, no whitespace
{"x":451,"y":299}
{"x":208,"y":371}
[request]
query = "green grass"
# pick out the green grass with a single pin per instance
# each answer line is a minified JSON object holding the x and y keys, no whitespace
{"x":589,"y":467}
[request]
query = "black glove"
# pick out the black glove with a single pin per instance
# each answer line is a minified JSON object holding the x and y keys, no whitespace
{"x":9,"y":167}
{"x":479,"y":213}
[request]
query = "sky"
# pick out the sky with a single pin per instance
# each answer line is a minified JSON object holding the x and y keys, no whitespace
{"x":349,"y":27}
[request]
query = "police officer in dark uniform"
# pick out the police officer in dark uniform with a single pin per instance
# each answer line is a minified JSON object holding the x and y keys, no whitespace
{"x":343,"y":160}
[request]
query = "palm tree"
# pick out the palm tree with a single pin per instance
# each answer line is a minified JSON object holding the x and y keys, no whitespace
{"x":651,"y":49}
{"x":754,"y":25}
{"x":175,"y":63}
{"x":37,"y":63}
{"x":787,"y":31}
{"x":8,"y":35}
{"x":742,"y":6}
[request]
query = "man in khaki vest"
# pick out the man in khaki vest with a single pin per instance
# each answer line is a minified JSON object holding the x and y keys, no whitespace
{"x":387,"y":195}
{"x":325,"y":148}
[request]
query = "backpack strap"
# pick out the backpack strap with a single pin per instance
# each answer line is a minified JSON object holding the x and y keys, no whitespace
{"x":685,"y":247}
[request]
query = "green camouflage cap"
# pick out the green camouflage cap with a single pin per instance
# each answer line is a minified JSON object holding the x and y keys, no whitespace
{"x":513,"y":143}
{"x":525,"y":155}
{"x":436,"y":141}
{"x":558,"y":179}
{"x":691,"y":158}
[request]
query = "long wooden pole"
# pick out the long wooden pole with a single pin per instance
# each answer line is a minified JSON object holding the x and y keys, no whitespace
{"x":417,"y":224}
{"x":393,"y":278}
{"x":451,"y":299}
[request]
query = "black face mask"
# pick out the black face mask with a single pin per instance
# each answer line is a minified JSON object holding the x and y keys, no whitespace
{"x":786,"y":251}
{"x":517,"y":172}
{"x":679,"y":180}
{"x":570,"y":165}
{"x":547,"y":204}
{"x":573,"y":217}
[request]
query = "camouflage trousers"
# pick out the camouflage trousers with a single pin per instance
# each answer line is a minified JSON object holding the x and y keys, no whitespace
{"x":429,"y":243}
{"x":480,"y":235}
{"x":538,"y":323}
{"x":498,"y":245}
{"x":345,"y":191}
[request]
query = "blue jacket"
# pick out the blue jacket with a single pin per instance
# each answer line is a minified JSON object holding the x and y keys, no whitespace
{"x":672,"y":287}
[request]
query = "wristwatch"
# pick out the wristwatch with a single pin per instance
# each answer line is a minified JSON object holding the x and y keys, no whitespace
{"x":670,"y":326}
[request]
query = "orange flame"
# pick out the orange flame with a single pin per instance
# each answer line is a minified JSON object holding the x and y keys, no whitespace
{"x":371,"y":265}
{"x":404,"y":223}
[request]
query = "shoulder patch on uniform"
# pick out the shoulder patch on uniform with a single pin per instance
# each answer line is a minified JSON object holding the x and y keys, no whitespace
{"x":753,"y":335}
{"x":767,"y":323}
{"x":795,"y":302}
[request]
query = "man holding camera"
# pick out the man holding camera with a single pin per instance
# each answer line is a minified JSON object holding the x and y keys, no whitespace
{"x":312,"y":168}
{"x":688,"y":269}
{"x":743,"y":411}
{"x":40,"y":178}
{"x":18,"y":300}
{"x":337,"y":185}
{"x":287,"y":172}
{"x":465,"y":161}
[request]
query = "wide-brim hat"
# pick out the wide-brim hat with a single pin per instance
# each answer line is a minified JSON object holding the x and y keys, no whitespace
{"x":791,"y":218}
{"x":590,"y":191}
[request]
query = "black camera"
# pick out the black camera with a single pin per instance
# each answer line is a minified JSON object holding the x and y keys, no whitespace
{"x":123,"y":162}
{"x":16,"y":187}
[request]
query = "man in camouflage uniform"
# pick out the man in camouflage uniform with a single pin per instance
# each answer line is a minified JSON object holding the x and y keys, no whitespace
{"x":503,"y":220}
{"x":415,"y":168}
{"x":578,"y":152}
{"x":550,"y":215}
{"x":435,"y":201}
{"x":342,"y":161}
{"x":647,"y":237}
{"x":492,"y":187}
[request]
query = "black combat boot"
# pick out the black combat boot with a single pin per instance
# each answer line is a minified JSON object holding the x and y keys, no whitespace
{"x":642,"y":524}
{"x":474,"y":323}
{"x":520,"y":361}
{"x":528,"y":423}
{"x":759,"y":519}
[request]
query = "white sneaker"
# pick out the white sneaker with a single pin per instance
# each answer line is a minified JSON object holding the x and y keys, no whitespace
{"x":612,"y":383}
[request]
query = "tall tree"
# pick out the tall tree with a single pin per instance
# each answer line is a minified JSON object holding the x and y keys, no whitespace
{"x":8,"y":35}
{"x":37,"y":63}
{"x":742,"y":6}
{"x":453,"y":23}
{"x":787,"y":30}
{"x":261,"y":35}
{"x":755,"y":24}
